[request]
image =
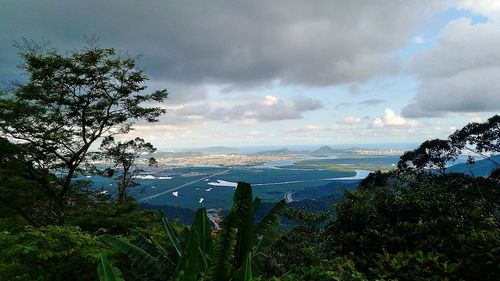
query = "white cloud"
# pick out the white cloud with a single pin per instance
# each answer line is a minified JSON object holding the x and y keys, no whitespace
{"x":459,"y":73}
{"x":270,"y":100}
{"x":310,"y":128}
{"x":489,"y":8}
{"x":391,"y":119}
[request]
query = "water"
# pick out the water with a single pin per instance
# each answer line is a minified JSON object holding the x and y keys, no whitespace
{"x":213,"y":187}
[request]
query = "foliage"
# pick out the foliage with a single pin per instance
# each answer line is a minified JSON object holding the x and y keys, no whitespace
{"x":237,"y":252}
{"x":448,"y":221}
{"x":431,"y":154}
{"x":107,"y":272}
{"x":123,"y":156}
{"x":70,"y":101}
{"x":104,"y":217}
{"x":339,"y":269}
{"x":48,"y":253}
{"x":479,"y":138}
{"x":24,"y":192}
{"x":300,"y":248}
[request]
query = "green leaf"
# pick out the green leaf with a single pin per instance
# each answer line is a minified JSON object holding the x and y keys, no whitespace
{"x":188,"y":267}
{"x":244,"y":211}
{"x":222,"y":265}
{"x":107,"y":272}
{"x":173,"y":237}
{"x":245,"y":272}
{"x":202,"y":226}
{"x":146,"y":262}
{"x":265,"y":234}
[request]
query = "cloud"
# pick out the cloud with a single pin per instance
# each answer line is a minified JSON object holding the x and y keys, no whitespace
{"x":371,"y":102}
{"x":415,"y":110}
{"x":349,"y":121}
{"x":303,"y":104}
{"x":418,"y":40}
{"x":243,"y":43}
{"x":343,"y":105}
{"x":266,"y":109}
{"x":489,"y":8}
{"x":310,"y":128}
{"x":192,"y":110}
{"x":459,"y":73}
{"x":391,"y":119}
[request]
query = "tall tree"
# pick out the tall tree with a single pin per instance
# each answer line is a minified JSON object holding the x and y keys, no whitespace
{"x":69,"y":101}
{"x":124,"y":156}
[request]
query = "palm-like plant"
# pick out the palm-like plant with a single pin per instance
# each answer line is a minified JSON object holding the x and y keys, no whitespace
{"x":237,"y":252}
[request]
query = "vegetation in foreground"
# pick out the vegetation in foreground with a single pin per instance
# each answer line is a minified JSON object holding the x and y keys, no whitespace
{"x":414,"y":223}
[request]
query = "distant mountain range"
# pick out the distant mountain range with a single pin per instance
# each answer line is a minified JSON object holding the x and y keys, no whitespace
{"x":283,"y":151}
{"x":322,"y":151}
{"x":481,"y":168}
{"x":219,"y":150}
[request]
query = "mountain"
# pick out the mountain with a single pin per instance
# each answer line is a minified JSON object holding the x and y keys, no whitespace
{"x":326,"y":150}
{"x":283,"y":151}
{"x":481,"y":168}
{"x":219,"y":150}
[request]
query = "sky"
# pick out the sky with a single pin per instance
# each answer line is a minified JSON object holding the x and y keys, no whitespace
{"x":282,"y":73}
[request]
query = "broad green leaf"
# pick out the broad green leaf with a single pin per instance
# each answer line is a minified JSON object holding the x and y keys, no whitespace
{"x":265,"y":234}
{"x":107,"y":272}
{"x":142,"y":259}
{"x":245,"y":272}
{"x":223,"y":262}
{"x":173,"y":237}
{"x":244,"y":211}
{"x":188,"y":267}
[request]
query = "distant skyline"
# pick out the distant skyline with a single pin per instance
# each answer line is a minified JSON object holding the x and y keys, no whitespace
{"x":285,"y":73}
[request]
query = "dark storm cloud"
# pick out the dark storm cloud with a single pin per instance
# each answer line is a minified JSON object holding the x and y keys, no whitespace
{"x":238,"y":43}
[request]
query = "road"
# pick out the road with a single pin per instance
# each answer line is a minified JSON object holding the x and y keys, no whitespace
{"x":180,"y":186}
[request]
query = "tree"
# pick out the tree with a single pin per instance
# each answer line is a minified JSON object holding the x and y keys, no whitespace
{"x":431,"y":227}
{"x":24,"y":190}
{"x":70,"y":101}
{"x":479,"y":138}
{"x":431,"y":154}
{"x":124,"y":156}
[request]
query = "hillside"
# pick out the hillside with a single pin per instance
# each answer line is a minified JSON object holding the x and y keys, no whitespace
{"x":326,"y":150}
{"x":218,"y":150}
{"x":283,"y":151}
{"x":482,"y":168}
